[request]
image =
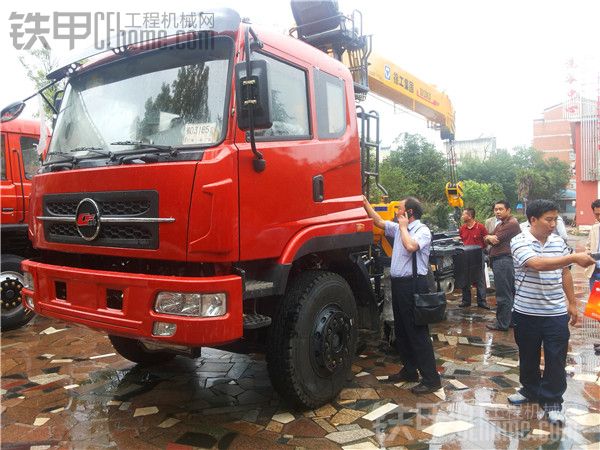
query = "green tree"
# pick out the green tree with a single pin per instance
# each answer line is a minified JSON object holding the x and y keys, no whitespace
{"x":524,"y":175}
{"x":499,"y":169}
{"x":538,"y":177}
{"x":415,"y":168}
{"x":38,"y":63}
{"x":481,"y":197}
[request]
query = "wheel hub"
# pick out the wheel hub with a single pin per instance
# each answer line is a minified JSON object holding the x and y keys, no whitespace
{"x":10,"y":292}
{"x":330,"y":339}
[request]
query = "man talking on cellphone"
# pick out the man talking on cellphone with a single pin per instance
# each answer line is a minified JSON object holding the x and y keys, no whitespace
{"x":412,"y":341}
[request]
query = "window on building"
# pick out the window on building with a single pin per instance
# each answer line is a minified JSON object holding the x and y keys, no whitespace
{"x":331,"y":105}
{"x":290,"y":101}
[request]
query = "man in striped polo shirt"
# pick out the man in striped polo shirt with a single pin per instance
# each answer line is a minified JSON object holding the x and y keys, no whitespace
{"x":544,"y":302}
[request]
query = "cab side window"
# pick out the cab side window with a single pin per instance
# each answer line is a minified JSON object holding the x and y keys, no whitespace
{"x":31,"y":159}
{"x":331,"y":105}
{"x":3,"y":160}
{"x":290,"y":101}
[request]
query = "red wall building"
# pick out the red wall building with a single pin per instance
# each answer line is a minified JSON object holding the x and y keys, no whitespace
{"x":570,"y":132}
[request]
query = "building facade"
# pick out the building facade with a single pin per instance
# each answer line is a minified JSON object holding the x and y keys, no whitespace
{"x":570,"y":132}
{"x":480,"y":148}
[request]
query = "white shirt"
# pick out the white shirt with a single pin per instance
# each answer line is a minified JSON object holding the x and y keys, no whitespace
{"x":560,"y":229}
{"x":401,"y":258}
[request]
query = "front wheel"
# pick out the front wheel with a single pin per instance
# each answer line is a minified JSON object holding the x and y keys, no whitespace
{"x":134,"y":350}
{"x":14,"y":314}
{"x":313,"y":339}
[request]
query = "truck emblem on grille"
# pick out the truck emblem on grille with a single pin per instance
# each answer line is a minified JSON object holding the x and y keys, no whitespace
{"x":88,"y":219}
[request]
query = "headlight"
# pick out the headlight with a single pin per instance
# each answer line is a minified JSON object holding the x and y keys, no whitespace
{"x":28,"y":282}
{"x":192,"y":305}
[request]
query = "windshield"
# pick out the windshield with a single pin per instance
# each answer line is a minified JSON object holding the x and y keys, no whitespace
{"x":174,"y":96}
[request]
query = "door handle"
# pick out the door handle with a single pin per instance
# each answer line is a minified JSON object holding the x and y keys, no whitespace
{"x":318,"y":192}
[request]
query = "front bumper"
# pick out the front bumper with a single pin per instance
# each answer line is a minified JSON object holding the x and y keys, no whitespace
{"x":85,"y":303}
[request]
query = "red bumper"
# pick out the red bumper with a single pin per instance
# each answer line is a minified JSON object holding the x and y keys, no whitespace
{"x":86,"y":303}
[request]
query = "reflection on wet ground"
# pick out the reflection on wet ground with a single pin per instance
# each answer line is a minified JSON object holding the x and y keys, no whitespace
{"x":64,"y":387}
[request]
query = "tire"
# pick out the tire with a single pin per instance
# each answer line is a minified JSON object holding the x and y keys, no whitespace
{"x":14,"y":314}
{"x":134,"y":350}
{"x":312,"y":340}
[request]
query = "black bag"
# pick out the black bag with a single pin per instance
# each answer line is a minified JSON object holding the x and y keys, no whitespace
{"x":429,"y":307}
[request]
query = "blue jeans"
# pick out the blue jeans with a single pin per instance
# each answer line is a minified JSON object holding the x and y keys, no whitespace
{"x":531,"y":332}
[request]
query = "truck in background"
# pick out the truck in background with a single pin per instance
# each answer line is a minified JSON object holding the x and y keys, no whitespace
{"x":19,"y":161}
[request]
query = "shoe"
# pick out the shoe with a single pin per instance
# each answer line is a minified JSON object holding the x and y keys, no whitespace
{"x":423,"y":388}
{"x":556,"y":417}
{"x":494,"y":327}
{"x":484,"y":306}
{"x":518,"y":399}
{"x":464,"y":305}
{"x":403,"y":376}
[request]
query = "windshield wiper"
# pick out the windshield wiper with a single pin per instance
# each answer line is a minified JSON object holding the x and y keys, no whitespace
{"x":66,"y":157}
{"x":145,"y":152}
{"x":145,"y":145}
{"x":97,"y":150}
{"x":68,"y":160}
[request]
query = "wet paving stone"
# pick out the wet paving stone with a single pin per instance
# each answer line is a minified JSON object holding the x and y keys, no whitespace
{"x":59,"y":390}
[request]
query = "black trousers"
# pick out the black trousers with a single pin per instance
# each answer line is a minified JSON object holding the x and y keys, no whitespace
{"x":481,"y":288}
{"x":412,"y":341}
{"x":531,"y":334}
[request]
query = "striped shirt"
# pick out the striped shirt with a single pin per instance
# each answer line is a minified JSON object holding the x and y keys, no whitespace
{"x":538,"y":293}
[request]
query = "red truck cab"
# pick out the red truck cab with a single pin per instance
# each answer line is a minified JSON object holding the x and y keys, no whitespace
{"x":155,"y":226}
{"x":19,"y":162}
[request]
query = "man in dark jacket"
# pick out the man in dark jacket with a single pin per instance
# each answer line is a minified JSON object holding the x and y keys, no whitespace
{"x":502,"y":264}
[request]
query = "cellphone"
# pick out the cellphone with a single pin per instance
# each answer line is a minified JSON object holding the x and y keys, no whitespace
{"x":596,"y":256}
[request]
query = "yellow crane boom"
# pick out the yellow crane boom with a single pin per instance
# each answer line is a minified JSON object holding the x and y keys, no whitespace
{"x":394,"y":83}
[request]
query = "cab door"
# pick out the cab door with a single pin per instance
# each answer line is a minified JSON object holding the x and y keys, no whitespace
{"x":311,"y":177}
{"x":21,"y":151}
{"x":27,"y":153}
{"x":274,"y":202}
{"x":8,"y":189}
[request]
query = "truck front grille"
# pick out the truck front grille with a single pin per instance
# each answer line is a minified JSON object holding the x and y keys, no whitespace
{"x":59,"y":211}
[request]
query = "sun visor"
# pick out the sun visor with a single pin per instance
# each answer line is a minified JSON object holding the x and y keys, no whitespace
{"x":218,"y":20}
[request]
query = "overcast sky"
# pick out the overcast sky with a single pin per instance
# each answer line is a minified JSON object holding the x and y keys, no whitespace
{"x":500,"y":62}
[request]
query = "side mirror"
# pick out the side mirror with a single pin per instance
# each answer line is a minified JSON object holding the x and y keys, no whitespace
{"x":12,"y":111}
{"x":253,"y":95}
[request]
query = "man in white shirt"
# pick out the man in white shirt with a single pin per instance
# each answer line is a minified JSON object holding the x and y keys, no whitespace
{"x":560,"y":230}
{"x":411,"y":237}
